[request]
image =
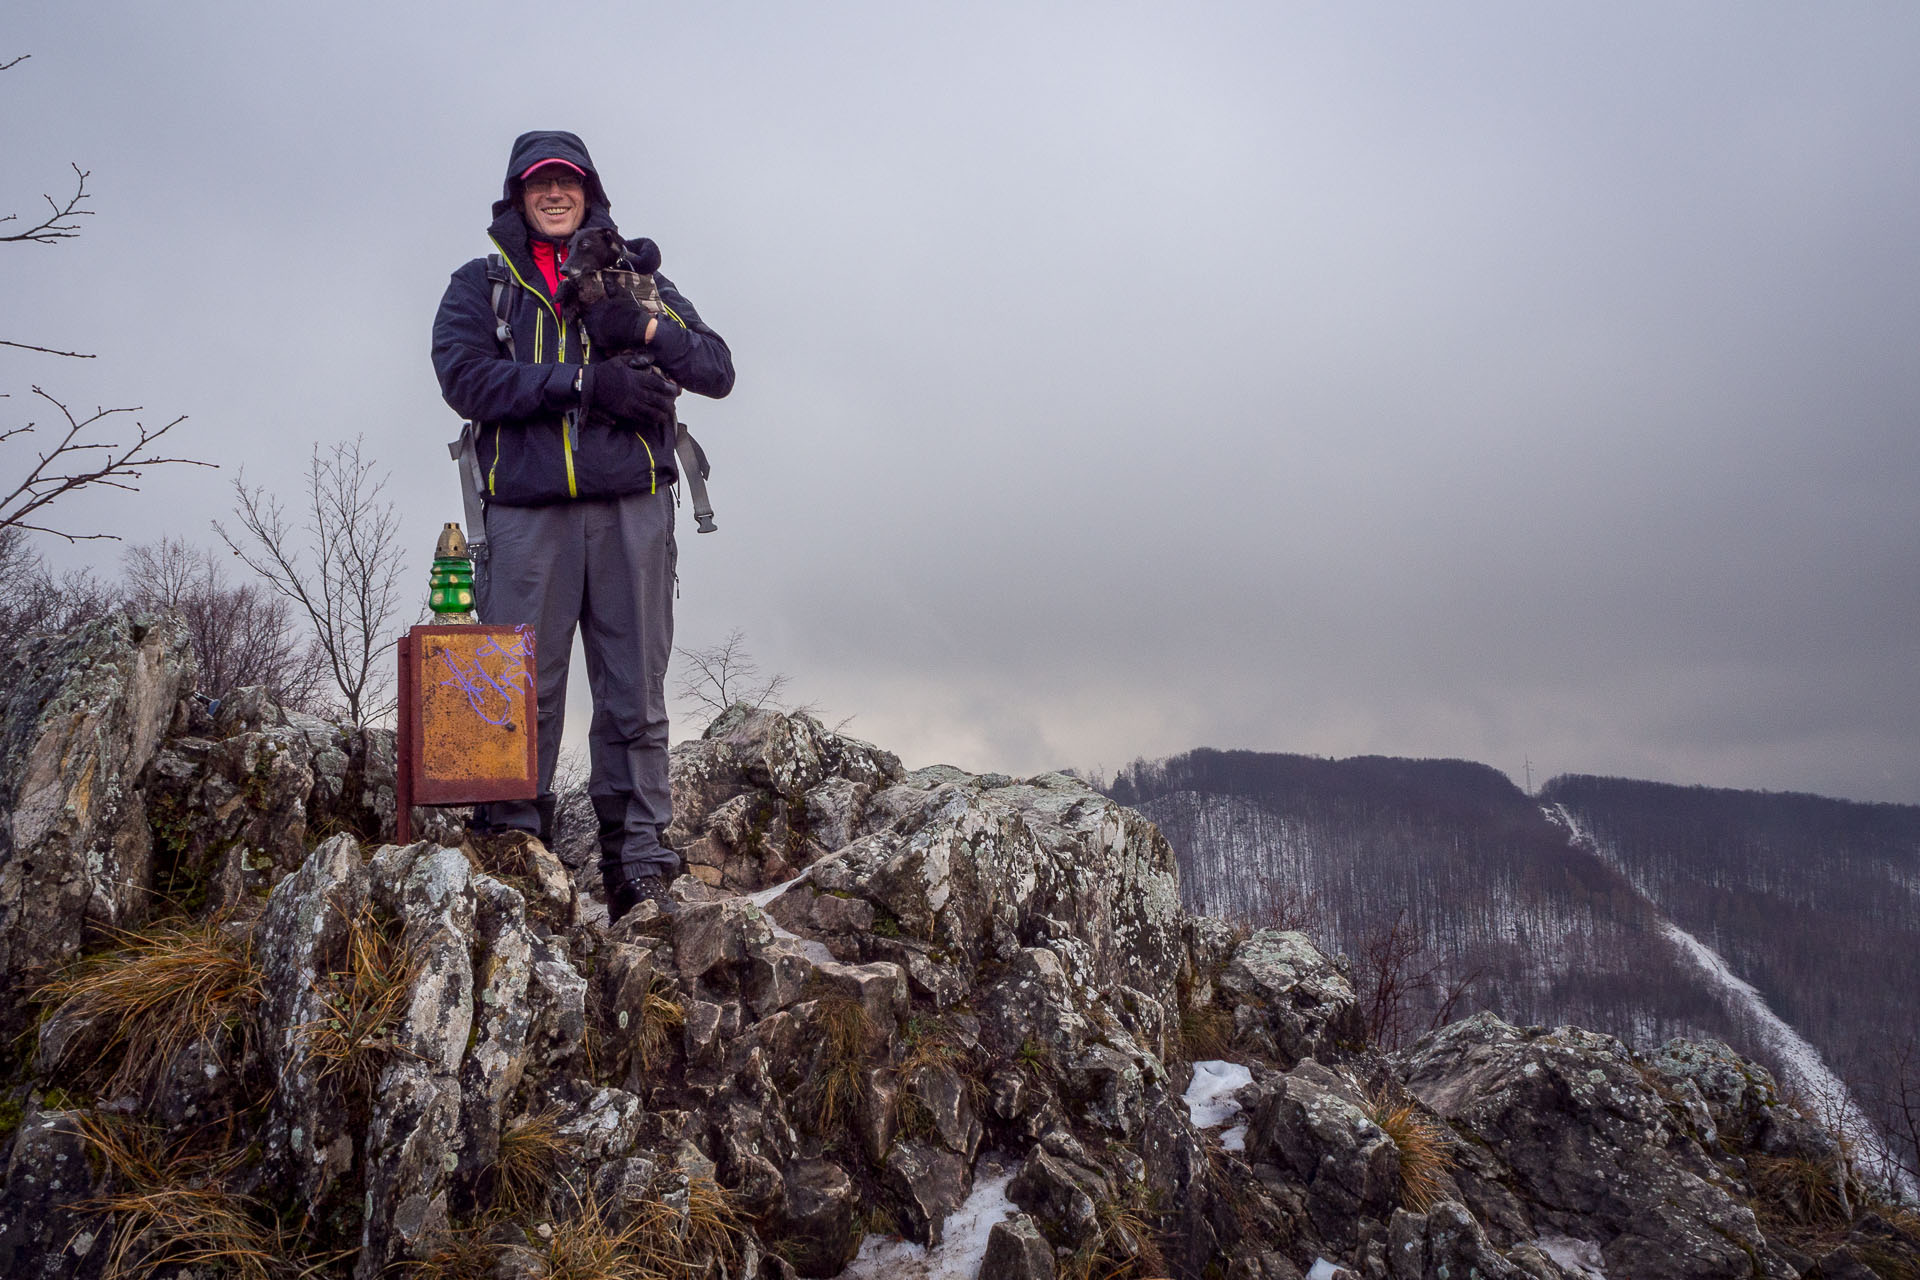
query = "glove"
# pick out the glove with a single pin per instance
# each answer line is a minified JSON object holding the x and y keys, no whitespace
{"x":631,"y":392}
{"x":616,"y":323}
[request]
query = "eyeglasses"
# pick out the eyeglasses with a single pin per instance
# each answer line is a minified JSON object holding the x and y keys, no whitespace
{"x":561,"y":178}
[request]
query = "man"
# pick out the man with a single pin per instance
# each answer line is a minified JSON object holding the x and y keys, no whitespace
{"x":579,"y":520}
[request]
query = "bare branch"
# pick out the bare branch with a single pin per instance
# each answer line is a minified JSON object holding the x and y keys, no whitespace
{"x":349,"y":588}
{"x":12,"y":63}
{"x":71,"y":466}
{"x":59,"y":223}
{"x":28,"y":346}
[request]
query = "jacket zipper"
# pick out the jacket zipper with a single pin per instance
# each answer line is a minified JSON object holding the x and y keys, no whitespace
{"x":539,"y":328}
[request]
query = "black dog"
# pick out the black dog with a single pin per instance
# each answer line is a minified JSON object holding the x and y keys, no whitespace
{"x":601,"y":265}
{"x":613,"y":280}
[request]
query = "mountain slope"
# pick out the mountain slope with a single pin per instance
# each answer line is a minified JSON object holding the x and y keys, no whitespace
{"x":1581,"y":906}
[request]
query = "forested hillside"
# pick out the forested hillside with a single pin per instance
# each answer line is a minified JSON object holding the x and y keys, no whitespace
{"x":1550,"y":909}
{"x":1814,"y":901}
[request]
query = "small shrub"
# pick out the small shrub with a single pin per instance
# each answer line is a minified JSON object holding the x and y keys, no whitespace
{"x":1423,"y":1146}
{"x":165,"y":989}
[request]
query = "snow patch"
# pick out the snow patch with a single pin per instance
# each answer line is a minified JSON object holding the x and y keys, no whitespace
{"x":1574,"y":1256}
{"x":963,"y":1243}
{"x":1210,"y":1100}
{"x":812,"y":950}
{"x":1324,"y":1270}
{"x":768,"y":894}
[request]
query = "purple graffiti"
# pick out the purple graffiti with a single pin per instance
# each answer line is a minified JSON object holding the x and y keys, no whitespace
{"x":484,"y":687}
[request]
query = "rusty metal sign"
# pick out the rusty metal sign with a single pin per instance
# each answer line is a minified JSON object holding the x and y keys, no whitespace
{"x":468,"y":717}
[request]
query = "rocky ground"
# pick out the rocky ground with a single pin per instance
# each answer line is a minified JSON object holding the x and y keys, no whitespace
{"x":250,"y":1037}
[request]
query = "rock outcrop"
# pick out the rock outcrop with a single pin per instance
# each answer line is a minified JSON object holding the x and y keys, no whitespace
{"x":85,"y":712}
{"x":875,"y":984}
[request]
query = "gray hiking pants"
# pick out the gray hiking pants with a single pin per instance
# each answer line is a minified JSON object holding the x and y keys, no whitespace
{"x":607,"y":566}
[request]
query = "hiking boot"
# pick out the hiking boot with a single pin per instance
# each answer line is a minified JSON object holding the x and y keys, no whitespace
{"x":628,"y":894}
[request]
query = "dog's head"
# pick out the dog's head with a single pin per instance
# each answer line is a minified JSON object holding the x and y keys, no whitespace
{"x":593,"y":249}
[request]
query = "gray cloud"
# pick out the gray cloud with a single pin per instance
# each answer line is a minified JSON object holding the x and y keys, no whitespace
{"x":1485,"y":381}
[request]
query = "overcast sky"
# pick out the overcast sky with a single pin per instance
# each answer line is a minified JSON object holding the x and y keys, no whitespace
{"x":1506,"y":381}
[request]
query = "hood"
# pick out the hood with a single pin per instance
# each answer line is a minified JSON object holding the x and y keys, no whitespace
{"x":548,"y":144}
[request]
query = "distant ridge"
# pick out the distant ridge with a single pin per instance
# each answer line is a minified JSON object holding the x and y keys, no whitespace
{"x":1813,"y":901}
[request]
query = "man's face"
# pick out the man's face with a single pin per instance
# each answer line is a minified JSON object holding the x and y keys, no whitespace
{"x":554,"y":200}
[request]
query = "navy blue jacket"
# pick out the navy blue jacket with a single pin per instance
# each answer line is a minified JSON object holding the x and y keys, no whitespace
{"x":520,"y":404}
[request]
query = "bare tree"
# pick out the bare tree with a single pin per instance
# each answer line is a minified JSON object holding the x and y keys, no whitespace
{"x":341,"y":566}
{"x":1286,"y":904}
{"x":717,"y":676}
{"x":33,"y":599}
{"x":79,"y":458}
{"x":1395,"y":978}
{"x":241,"y":635}
{"x":1890,"y":1090}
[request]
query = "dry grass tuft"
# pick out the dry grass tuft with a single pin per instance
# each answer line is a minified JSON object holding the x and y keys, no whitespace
{"x":657,"y":1242}
{"x":833,"y":1092}
{"x":175,"y":1210}
{"x":1423,"y":1144}
{"x":531,"y":1153}
{"x":929,"y":1044}
{"x":363,"y":1004}
{"x":1124,"y":1249}
{"x":468,"y":1255}
{"x":1035,"y":1058}
{"x":1206,"y":1033}
{"x":501,"y":854}
{"x":169,"y":987}
{"x":713,"y":1224}
{"x":1792,"y":1191}
{"x":660,"y":1016}
{"x":588,"y":1246}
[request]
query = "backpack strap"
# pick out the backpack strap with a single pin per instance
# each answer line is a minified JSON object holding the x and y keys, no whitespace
{"x":473,"y":489}
{"x":501,"y":280}
{"x":694,"y":470}
{"x":465,"y":450}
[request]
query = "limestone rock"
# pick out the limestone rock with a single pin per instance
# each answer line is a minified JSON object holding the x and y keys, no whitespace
{"x":930,"y":1184}
{"x":818,"y":1215}
{"x":1289,"y":999}
{"x":84,"y":713}
{"x":1590,"y":1146}
{"x":1016,"y":1250}
{"x":234,"y":811}
{"x":1309,"y":1123}
{"x":302,"y":940}
{"x":48,"y":1178}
